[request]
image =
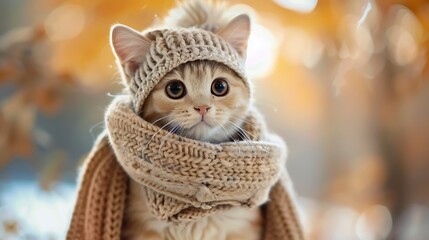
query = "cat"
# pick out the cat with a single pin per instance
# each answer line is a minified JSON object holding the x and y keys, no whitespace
{"x":207,"y":104}
{"x":201,"y":100}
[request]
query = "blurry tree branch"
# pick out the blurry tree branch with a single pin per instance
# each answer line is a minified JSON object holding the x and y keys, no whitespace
{"x":24,"y":68}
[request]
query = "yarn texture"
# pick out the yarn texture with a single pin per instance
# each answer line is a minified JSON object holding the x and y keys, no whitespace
{"x":184,"y":179}
{"x":173,"y":47}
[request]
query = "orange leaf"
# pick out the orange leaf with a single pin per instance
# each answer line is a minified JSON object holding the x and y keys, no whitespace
{"x":47,"y":98}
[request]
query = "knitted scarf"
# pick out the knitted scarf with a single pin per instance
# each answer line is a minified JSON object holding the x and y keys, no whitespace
{"x":183,"y":179}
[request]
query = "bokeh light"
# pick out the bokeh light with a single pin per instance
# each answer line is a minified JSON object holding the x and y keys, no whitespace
{"x":260,"y":58}
{"x":344,"y":82}
{"x":304,"y":6}
{"x":65,"y":22}
{"x":374,"y":223}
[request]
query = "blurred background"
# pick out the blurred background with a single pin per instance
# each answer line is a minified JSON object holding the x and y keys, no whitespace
{"x":345,"y":83}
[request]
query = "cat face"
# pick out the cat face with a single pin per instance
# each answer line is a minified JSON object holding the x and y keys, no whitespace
{"x":203,"y":100}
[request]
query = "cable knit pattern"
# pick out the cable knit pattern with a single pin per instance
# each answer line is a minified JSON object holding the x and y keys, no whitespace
{"x":180,"y":173}
{"x":184,"y":180}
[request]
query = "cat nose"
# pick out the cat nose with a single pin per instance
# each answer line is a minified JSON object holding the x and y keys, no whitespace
{"x":203,"y":109}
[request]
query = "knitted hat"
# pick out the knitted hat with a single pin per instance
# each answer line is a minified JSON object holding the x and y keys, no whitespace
{"x":182,"y":178}
{"x":172,"y":47}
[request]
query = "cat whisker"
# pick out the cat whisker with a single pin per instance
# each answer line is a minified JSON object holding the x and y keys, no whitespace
{"x":226,"y":137}
{"x":91,"y":130}
{"x":244,"y":131}
{"x":177,"y":127}
{"x":241,"y":135}
{"x":181,"y":130}
{"x":244,"y":121}
{"x":159,"y":119}
{"x":165,"y":125}
{"x":114,"y":95}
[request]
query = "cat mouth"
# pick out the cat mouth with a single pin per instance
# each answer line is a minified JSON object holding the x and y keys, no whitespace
{"x":201,"y":124}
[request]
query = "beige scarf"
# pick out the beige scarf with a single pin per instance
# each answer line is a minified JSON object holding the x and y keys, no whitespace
{"x":184,"y":179}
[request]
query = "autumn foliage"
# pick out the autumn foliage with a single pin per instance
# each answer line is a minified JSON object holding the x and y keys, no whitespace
{"x":346,"y":84}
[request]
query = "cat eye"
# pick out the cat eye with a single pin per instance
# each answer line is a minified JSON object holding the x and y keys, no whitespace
{"x":175,"y":89}
{"x":220,"y":87}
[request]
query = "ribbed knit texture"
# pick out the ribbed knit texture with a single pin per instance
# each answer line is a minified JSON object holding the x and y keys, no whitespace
{"x":180,"y":174}
{"x":100,"y":204}
{"x":184,"y":179}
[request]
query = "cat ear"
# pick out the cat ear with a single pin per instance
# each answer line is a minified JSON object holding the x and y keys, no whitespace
{"x":129,"y":46}
{"x":237,"y":33}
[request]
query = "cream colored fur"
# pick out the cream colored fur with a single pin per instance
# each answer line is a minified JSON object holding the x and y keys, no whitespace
{"x":222,"y":119}
{"x":235,"y":224}
{"x":220,"y":123}
{"x":225,"y":113}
